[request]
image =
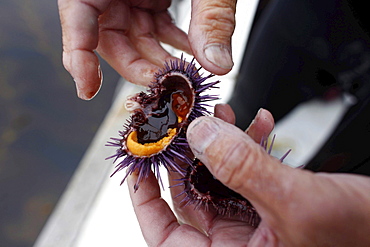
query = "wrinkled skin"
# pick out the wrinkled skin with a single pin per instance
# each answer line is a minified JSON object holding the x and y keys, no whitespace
{"x":127,"y":34}
{"x":297,"y":207}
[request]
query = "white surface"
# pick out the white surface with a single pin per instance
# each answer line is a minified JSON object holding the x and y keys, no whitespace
{"x":306,"y":128}
{"x":112,"y":221}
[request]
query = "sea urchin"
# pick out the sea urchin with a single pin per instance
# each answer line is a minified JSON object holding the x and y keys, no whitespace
{"x":202,"y":189}
{"x":155,"y":133}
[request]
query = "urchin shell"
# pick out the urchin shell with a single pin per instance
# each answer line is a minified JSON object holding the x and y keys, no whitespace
{"x":203,"y":190}
{"x":155,"y":133}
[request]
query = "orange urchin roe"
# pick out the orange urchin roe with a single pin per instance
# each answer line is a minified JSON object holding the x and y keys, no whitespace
{"x":148,"y":149}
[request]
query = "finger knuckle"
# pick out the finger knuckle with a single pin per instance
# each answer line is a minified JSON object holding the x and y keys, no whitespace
{"x":237,"y":164}
{"x":218,"y":20}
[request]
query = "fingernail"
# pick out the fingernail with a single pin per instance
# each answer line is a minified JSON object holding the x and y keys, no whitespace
{"x":81,"y":93}
{"x":259,"y":112}
{"x":201,"y":133}
{"x":89,"y":92}
{"x":219,"y":55}
{"x":254,"y":121}
{"x":258,"y":115}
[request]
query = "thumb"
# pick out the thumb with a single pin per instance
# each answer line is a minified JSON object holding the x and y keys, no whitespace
{"x":211,"y":27}
{"x":241,"y":164}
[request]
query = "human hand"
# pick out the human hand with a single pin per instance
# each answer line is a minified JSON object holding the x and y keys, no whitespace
{"x":297,"y":207}
{"x":158,"y":222}
{"x":127,"y":34}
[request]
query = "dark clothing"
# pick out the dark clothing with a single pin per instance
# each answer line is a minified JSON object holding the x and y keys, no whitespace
{"x":300,"y":50}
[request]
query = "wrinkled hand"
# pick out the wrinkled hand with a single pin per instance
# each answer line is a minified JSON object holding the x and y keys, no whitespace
{"x":297,"y":207}
{"x":127,"y":34}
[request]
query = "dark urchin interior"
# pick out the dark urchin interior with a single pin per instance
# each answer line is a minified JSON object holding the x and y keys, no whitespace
{"x":203,"y":189}
{"x":170,"y":99}
{"x":205,"y":183}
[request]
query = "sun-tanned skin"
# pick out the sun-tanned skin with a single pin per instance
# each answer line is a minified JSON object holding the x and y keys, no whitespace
{"x":127,"y":34}
{"x":297,"y":207}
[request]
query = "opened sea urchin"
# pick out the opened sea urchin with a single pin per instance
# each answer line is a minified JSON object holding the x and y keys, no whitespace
{"x":155,"y":133}
{"x":202,"y":189}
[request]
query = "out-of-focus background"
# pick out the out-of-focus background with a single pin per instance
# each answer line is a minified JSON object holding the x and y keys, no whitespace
{"x":44,"y":128}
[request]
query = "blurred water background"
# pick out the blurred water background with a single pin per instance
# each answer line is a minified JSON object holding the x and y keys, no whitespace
{"x":44,"y":128}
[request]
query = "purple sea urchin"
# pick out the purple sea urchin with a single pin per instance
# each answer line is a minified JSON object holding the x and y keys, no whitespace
{"x":202,"y":189}
{"x":154,"y":134}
